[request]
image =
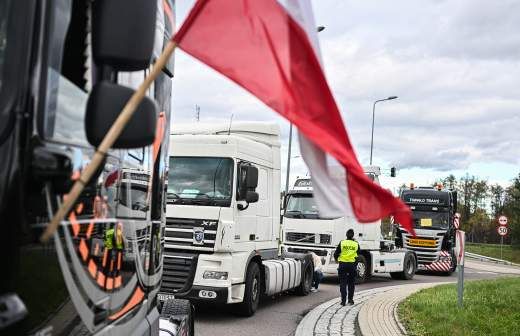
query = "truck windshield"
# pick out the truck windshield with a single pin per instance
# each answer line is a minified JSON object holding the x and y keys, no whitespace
{"x":200,"y":181}
{"x":301,"y":206}
{"x":430,"y":220}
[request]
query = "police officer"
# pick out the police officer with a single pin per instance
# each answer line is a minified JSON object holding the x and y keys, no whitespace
{"x":345,"y":255}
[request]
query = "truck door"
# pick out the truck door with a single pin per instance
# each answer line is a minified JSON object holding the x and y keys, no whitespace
{"x":264,"y":208}
{"x":246,"y":228}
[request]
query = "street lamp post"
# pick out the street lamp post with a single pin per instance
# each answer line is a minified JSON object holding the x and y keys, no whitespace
{"x":373,"y":117}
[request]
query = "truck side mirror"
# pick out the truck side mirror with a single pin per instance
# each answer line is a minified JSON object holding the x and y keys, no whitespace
{"x":103,"y":107}
{"x":123,"y":33}
{"x":392,"y":172}
{"x":252,"y":197}
{"x":251,"y":177}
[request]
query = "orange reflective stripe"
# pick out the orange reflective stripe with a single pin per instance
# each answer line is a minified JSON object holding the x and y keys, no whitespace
{"x":83,"y":250}
{"x":136,"y":298}
{"x":159,"y":134}
{"x":105,"y":257}
{"x":90,"y":229}
{"x":74,"y":223}
{"x":117,"y":282}
{"x":110,"y":283}
{"x":119,"y":254}
{"x":101,"y":279}
{"x":92,"y":268}
{"x":96,"y":249}
{"x":79,"y":208}
{"x":111,"y":264}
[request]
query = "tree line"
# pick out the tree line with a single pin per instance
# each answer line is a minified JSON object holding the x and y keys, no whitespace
{"x":480,"y":203}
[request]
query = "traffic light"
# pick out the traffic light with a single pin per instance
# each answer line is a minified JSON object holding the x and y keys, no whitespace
{"x":392,"y":172}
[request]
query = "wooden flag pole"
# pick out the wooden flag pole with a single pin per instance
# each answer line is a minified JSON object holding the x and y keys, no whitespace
{"x":114,"y":132}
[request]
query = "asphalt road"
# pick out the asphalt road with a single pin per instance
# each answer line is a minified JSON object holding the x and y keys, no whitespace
{"x":280,"y":315}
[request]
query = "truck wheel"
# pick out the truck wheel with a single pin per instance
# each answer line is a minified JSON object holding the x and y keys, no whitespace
{"x":361,"y":269}
{"x":181,"y":309}
{"x":252,"y":292}
{"x":409,"y":268}
{"x":307,"y":275}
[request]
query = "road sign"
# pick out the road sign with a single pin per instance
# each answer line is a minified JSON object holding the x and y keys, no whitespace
{"x":502,"y":230}
{"x":502,"y":220}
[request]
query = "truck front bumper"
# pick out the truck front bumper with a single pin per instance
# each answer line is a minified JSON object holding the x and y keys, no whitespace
{"x":205,"y":293}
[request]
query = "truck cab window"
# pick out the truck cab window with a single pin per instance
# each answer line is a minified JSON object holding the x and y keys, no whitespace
{"x":200,"y":181}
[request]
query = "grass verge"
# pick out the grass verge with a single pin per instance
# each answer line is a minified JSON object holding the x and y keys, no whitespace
{"x":493,"y":250}
{"x":491,"y":307}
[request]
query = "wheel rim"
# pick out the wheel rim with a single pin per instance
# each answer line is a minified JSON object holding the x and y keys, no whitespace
{"x":255,"y":289}
{"x":361,"y":269}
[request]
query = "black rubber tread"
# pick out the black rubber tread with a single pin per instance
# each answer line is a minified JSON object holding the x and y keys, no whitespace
{"x":178,"y":308}
{"x":175,"y":307}
{"x":362,"y":259}
{"x":248,"y":306}
{"x":307,"y":275}
{"x":403,"y":275}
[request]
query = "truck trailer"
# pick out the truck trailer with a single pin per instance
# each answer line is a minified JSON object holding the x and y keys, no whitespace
{"x":222,"y":235}
{"x":433,"y":210}
{"x":304,"y":230}
{"x":67,"y":67}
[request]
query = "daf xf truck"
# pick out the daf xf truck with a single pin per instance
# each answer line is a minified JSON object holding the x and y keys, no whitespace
{"x":222,"y":235}
{"x":305,"y":230}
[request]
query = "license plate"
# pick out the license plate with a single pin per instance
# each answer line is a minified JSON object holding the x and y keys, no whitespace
{"x":165,"y":297}
{"x":422,"y":242}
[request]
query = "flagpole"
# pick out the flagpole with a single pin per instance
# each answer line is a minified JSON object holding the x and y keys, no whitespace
{"x":113,"y":133}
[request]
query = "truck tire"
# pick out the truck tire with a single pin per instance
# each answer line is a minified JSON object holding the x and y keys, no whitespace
{"x":409,"y":268}
{"x":251,"y":293}
{"x":361,"y":269}
{"x":183,"y":310}
{"x":307,"y":275}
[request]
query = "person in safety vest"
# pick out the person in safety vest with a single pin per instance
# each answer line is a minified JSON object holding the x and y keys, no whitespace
{"x":345,"y":255}
{"x":113,"y":251}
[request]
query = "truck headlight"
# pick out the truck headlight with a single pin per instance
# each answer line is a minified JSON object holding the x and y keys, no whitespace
{"x":215,"y":275}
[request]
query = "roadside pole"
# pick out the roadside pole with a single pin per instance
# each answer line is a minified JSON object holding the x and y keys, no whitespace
{"x":461,"y":238}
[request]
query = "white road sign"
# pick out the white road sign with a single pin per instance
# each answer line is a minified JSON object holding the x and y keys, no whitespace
{"x":502,"y":220}
{"x":502,"y":230}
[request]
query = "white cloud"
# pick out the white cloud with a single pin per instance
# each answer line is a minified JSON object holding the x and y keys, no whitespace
{"x":454,"y":65}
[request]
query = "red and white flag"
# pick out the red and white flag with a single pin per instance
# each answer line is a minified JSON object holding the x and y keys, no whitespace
{"x":270,"y":48}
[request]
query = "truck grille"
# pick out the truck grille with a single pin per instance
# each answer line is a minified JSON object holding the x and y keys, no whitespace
{"x":181,"y":251}
{"x":179,"y":234}
{"x":178,"y":271}
{"x":300,"y":237}
{"x":325,"y":239}
{"x":425,"y":254}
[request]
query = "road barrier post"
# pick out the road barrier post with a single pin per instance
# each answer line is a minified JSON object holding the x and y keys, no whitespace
{"x":459,"y":246}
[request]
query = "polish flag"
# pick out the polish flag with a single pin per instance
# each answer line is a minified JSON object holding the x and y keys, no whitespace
{"x":270,"y":48}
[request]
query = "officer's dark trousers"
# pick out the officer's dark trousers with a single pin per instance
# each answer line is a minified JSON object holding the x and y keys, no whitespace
{"x":347,"y":276}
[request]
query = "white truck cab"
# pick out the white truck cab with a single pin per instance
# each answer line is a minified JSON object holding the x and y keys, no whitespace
{"x":303,"y":230}
{"x":221,"y":242}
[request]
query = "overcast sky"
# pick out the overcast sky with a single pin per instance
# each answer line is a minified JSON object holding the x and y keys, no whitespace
{"x":455,"y":66}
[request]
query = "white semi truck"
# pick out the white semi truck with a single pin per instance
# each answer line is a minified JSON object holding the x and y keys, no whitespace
{"x":303,"y":230}
{"x":222,"y":235}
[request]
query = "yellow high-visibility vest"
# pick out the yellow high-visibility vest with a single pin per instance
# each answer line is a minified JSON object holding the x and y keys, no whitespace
{"x":349,"y":250}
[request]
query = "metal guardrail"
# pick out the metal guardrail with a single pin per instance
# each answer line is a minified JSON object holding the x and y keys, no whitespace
{"x":489,"y":259}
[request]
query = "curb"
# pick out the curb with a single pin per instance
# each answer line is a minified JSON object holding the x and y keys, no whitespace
{"x":328,"y":313}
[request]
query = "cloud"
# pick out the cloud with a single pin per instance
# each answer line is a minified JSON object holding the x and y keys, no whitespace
{"x":454,"y":65}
